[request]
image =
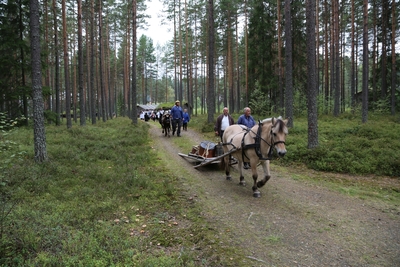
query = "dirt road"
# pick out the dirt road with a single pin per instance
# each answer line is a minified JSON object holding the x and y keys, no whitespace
{"x":294,"y":223}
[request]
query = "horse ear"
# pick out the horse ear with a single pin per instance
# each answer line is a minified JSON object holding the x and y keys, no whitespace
{"x":286,"y":121}
{"x":273,"y":120}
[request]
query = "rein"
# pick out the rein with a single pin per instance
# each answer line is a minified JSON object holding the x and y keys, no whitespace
{"x":257,"y":143}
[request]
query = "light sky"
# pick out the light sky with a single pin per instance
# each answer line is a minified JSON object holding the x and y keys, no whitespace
{"x":159,"y":33}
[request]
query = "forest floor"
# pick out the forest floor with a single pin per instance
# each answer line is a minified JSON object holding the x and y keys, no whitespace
{"x":296,"y":221}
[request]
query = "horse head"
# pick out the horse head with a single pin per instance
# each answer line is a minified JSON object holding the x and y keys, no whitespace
{"x":274,"y":131}
{"x":279,"y":131}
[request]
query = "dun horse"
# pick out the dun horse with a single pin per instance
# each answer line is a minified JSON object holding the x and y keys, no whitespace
{"x":254,"y":145}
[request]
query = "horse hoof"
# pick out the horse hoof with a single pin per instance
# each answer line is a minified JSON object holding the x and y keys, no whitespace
{"x":228,"y":178}
{"x":242,"y":183}
{"x":256,"y":194}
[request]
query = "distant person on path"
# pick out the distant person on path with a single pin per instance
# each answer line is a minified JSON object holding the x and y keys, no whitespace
{"x":177,"y":118}
{"x":186,"y":119}
{"x":247,"y":120}
{"x":223,"y":121}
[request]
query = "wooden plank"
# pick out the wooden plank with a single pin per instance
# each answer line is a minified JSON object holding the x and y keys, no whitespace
{"x":213,"y":160}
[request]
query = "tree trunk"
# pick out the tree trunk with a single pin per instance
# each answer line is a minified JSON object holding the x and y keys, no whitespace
{"x":92,"y":66}
{"x":365,"y":64}
{"x":353,"y":66}
{"x":82,"y":113}
{"x":37,"y":97}
{"x":385,"y":8}
{"x":312,"y":89}
{"x":393,"y":89}
{"x":210,"y":89}
{"x":66,"y":67}
{"x":57,"y":64}
{"x":134,"y":27}
{"x":289,"y":64}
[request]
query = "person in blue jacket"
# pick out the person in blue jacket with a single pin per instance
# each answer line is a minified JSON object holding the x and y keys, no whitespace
{"x":177,"y":118}
{"x":247,"y":120}
{"x":186,"y":119}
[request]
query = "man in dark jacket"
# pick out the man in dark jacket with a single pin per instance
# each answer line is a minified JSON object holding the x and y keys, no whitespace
{"x":177,"y":118}
{"x":223,"y":121}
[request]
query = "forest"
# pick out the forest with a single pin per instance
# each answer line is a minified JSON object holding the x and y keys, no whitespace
{"x":284,"y":57}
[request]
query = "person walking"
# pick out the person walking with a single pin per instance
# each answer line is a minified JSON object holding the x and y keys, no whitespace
{"x":186,"y":119}
{"x":247,"y":120}
{"x":177,"y":118}
{"x":223,"y":121}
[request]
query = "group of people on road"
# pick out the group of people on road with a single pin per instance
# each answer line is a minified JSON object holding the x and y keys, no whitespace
{"x":180,"y":118}
{"x":225,"y":119}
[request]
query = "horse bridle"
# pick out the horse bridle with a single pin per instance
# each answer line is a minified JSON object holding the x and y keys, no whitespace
{"x":257,"y":143}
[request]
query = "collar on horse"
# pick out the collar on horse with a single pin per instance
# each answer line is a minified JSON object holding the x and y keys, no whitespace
{"x":257,"y":143}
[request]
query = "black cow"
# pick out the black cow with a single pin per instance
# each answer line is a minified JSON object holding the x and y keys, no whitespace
{"x":166,"y":124}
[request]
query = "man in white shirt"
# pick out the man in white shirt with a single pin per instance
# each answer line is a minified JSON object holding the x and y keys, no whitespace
{"x":223,"y":121}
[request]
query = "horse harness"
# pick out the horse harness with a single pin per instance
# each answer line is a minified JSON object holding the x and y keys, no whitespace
{"x":257,"y":143}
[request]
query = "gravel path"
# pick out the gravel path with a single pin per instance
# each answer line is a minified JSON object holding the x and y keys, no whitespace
{"x":294,"y":223}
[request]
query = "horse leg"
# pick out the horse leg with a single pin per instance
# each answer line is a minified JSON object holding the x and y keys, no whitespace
{"x":241,"y":177}
{"x":267,"y":175}
{"x":256,"y":192}
{"x":227,"y":163}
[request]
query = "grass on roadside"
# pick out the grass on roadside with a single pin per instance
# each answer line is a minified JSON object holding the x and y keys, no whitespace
{"x":104,"y":198}
{"x":346,"y":145}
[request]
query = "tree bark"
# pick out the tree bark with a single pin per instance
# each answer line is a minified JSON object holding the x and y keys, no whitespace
{"x":312,"y":88}
{"x":82,"y":107}
{"x":134,"y":27}
{"x":289,"y":64}
{"x":365,"y":64}
{"x":38,"y":105}
{"x":66,"y":67}
{"x":210,"y":89}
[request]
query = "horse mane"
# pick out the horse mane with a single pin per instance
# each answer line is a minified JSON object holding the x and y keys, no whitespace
{"x":270,"y":119}
{"x":280,"y":126}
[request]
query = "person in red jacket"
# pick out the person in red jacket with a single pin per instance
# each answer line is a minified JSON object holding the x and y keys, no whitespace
{"x":223,"y":121}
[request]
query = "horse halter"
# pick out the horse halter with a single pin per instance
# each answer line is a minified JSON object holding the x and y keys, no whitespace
{"x":257,"y":143}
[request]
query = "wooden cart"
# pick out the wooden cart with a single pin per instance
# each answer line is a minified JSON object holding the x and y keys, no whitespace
{"x":206,"y":153}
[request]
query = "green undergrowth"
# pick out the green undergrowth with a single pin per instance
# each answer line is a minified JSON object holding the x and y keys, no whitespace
{"x":346,"y":145}
{"x":104,"y":198}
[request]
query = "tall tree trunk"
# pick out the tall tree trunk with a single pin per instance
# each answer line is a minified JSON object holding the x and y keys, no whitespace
{"x":88,"y":88}
{"x":237,"y":102}
{"x":280,"y":68}
{"x":312,"y":89}
{"x":326,"y":59}
{"x":211,"y":88}
{"x":353,"y":67}
{"x":24,"y":96}
{"x":335,"y":59}
{"x":66,"y":67}
{"x":93,"y":93}
{"x":385,"y":4}
{"x":134,"y":27}
{"x":289,"y":64}
{"x":394,"y":74}
{"x":82,"y":113}
{"x":37,"y":97}
{"x":57,"y":64}
{"x":375,"y":92}
{"x":365,"y":64}
{"x":246,"y":53}
{"x":101,"y":62}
